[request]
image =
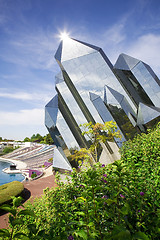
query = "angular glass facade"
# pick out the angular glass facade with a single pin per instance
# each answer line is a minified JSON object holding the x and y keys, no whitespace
{"x":142,"y":78}
{"x":90,"y":89}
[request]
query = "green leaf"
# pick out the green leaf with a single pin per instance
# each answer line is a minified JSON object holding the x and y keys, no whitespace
{"x":17,"y":222}
{"x":21,"y":236}
{"x":81,"y":234}
{"x":81,"y":223}
{"x":125,"y":189}
{"x":80,"y":213}
{"x":32,"y":228}
{"x":8,"y":208}
{"x":141,"y":236}
{"x":91,"y":224}
{"x":80,"y":199}
{"x":4,"y":233}
{"x":123,"y":235}
{"x":125,"y":209}
{"x":26,"y":212}
{"x":11,"y":218}
{"x":110,"y":201}
{"x":120,"y":233}
{"x":17,"y":201}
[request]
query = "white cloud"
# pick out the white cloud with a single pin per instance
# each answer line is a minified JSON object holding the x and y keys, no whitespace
{"x":20,"y":95}
{"x":147,"y":48}
{"x":42,"y":97}
{"x":23,"y":117}
{"x":108,"y":37}
{"x":115,"y":34}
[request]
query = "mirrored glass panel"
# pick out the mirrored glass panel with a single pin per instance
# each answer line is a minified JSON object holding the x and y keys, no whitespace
{"x":147,"y":82}
{"x":66,"y":133}
{"x":92,"y":73}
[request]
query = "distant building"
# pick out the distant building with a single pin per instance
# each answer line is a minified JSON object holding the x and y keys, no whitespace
{"x":90,"y":89}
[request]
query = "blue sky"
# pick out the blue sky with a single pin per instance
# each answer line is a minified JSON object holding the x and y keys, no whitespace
{"x":29,"y":37}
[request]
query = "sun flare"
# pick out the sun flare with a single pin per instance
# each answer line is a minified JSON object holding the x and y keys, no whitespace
{"x":64,"y":36}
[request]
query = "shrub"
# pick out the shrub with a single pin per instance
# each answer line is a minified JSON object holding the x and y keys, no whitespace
{"x":33,"y":175}
{"x":118,"y":201}
{"x":8,"y":150}
{"x":142,"y":155}
{"x":15,"y":221}
{"x":54,"y":169}
{"x":50,"y":160}
{"x":102,"y":202}
{"x":10,"y":189}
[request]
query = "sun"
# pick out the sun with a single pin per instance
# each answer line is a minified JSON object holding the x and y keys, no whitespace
{"x":64,"y":36}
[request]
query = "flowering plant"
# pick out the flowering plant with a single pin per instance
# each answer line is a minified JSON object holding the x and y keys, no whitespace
{"x":117,"y":201}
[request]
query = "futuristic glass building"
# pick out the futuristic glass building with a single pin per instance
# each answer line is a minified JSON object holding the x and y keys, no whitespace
{"x":90,"y":89}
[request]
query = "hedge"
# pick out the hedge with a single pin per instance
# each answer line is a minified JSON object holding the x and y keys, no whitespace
{"x":10,"y":189}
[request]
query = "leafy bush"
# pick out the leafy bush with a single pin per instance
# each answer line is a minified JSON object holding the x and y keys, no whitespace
{"x":142,"y":155}
{"x":38,"y":138}
{"x":100,"y":203}
{"x":33,"y":175}
{"x":118,"y":201}
{"x":10,"y":189}
{"x":15,"y":220}
{"x":8,"y":150}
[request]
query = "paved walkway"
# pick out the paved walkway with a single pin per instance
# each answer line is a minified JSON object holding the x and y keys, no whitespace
{"x":33,"y":189}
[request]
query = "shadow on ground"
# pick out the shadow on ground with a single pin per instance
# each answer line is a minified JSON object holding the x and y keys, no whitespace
{"x":26,"y":194}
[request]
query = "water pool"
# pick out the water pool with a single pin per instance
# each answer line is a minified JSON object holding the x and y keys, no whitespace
{"x":5,"y":177}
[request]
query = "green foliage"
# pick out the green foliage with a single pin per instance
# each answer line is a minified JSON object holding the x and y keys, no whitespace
{"x":16,"y":222}
{"x":142,"y":154}
{"x":48,"y":139}
{"x":38,"y":138}
{"x":123,"y":121}
{"x":118,"y":201}
{"x":10,"y":189}
{"x":33,"y":175}
{"x":8,"y":150}
{"x":100,"y":132}
{"x":98,"y":203}
{"x":27,"y":139}
{"x":97,"y":134}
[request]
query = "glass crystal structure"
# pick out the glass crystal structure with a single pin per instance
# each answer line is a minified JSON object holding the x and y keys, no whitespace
{"x":90,"y":89}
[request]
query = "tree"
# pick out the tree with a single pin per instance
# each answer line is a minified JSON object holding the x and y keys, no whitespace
{"x":27,"y":139}
{"x":36,"y":138}
{"x":48,"y":139}
{"x":96,"y":135}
